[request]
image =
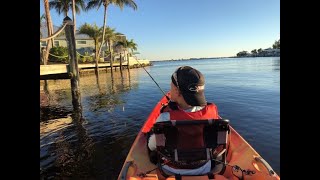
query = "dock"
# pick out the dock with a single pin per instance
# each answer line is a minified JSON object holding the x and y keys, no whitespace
{"x":61,"y":71}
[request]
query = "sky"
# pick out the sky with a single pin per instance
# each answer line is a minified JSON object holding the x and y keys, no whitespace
{"x":180,"y":29}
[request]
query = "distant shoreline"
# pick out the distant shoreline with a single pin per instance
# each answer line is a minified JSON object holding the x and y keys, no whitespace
{"x":210,"y":58}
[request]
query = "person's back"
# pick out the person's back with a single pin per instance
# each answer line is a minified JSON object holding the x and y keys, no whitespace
{"x":187,"y":103}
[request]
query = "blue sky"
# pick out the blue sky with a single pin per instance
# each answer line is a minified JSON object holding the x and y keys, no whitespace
{"x":175,"y":29}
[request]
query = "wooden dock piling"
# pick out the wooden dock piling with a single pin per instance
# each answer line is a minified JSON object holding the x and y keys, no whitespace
{"x":73,"y":64}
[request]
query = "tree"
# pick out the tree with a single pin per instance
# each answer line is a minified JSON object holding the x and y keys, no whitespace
{"x":110,"y":38}
{"x":276,"y":45}
{"x":74,"y":14}
{"x":50,"y":30}
{"x":122,"y":44}
{"x":125,"y":44}
{"x":94,"y":32}
{"x":254,"y":52}
{"x":120,"y":3}
{"x":133,"y":46}
{"x":242,"y":53}
{"x":63,"y":6}
{"x":259,"y":50}
{"x":42,"y":18}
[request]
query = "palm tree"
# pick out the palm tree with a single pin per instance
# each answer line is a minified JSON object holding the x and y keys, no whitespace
{"x":132,"y":46}
{"x":74,"y":14}
{"x":50,"y":29}
{"x":94,"y":32}
{"x":42,"y":17}
{"x":110,"y":38}
{"x":63,"y":6}
{"x":254,"y":52}
{"x":122,"y":44}
{"x":127,"y":45}
{"x":276,"y":45}
{"x":120,"y":3}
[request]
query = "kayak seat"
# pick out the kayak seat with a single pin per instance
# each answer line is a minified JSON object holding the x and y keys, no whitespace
{"x":191,"y":144}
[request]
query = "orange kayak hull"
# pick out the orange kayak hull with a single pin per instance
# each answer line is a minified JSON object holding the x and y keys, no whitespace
{"x":240,"y":153}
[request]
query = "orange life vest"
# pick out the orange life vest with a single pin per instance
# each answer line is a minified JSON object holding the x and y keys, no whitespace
{"x":210,"y":111}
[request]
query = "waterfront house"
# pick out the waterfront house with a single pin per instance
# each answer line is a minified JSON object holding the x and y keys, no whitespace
{"x":83,"y":42}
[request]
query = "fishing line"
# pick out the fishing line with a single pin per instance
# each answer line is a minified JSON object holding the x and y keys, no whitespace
{"x":153,"y":80}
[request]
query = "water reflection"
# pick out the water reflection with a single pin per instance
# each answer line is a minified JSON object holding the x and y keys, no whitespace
{"x":98,"y":83}
{"x":70,"y":147}
{"x":129,"y":78}
{"x":113,"y":89}
{"x":80,"y":144}
{"x":45,"y":87}
{"x":53,"y":112}
{"x":104,"y":102}
{"x":276,"y":64}
{"x":52,"y":102}
{"x":45,"y":95}
{"x":96,"y":146}
{"x":122,"y":79}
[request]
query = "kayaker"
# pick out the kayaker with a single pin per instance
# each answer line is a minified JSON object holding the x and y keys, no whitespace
{"x":188,"y":102}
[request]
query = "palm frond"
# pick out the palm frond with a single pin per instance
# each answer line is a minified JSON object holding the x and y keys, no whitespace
{"x":94,"y":3}
{"x":92,"y":31}
{"x":65,"y":5}
{"x":57,"y":5}
{"x":122,"y":3}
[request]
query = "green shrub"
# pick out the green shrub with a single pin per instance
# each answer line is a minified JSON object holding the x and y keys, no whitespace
{"x":85,"y":58}
{"x":59,"y":54}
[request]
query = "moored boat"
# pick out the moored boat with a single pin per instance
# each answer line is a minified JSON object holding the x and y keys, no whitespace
{"x":241,"y":160}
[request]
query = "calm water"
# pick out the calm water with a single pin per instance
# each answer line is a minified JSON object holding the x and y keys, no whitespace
{"x":115,"y":106}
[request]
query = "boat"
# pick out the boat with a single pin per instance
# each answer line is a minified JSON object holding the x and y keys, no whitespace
{"x":241,"y":162}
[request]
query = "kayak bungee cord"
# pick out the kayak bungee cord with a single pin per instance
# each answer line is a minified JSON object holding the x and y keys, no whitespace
{"x":153,"y":80}
{"x":147,"y":172}
{"x":235,"y":168}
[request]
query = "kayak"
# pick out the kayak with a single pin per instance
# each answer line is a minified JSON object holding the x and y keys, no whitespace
{"x":241,"y":162}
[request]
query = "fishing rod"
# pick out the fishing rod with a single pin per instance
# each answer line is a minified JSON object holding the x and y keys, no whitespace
{"x":153,"y":80}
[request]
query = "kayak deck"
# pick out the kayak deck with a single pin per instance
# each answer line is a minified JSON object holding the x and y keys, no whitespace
{"x":240,"y":154}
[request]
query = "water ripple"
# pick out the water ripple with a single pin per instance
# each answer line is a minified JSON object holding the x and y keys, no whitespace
{"x":245,"y":90}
